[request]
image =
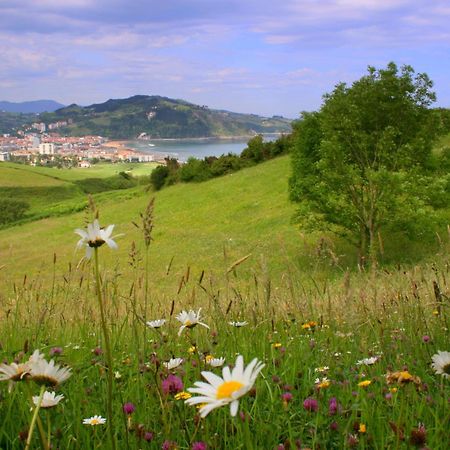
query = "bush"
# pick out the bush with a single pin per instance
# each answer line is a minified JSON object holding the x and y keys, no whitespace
{"x":158,"y":177}
{"x":12,"y":210}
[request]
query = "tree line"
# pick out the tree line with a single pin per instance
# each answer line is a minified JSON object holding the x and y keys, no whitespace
{"x":198,"y":170}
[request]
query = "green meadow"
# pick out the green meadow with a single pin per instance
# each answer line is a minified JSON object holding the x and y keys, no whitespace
{"x":350,"y":356}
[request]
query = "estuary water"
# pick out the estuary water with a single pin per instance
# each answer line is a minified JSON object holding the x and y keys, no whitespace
{"x":182,"y":149}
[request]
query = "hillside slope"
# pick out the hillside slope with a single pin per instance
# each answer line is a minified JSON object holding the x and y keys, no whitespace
{"x":196,"y":224}
{"x":159,"y":117}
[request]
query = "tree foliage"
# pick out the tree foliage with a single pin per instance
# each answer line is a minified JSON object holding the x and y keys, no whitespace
{"x":364,"y":160}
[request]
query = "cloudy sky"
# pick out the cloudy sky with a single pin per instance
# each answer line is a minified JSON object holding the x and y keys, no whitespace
{"x":261,"y":56}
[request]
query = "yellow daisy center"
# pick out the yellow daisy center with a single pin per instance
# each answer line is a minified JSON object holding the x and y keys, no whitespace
{"x":226,"y":389}
{"x":95,"y":421}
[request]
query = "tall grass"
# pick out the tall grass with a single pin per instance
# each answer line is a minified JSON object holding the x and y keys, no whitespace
{"x":297,"y":326}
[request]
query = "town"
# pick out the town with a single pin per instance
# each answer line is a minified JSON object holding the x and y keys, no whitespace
{"x":40,"y":145}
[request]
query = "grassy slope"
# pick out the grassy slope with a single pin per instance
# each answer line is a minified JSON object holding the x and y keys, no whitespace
{"x":247,"y":212}
{"x":95,"y":171}
{"x":51,"y":191}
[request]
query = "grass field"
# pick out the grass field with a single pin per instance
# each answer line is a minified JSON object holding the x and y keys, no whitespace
{"x":101,"y":170}
{"x":350,"y":358}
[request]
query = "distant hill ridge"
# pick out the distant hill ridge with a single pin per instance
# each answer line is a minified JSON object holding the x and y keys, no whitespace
{"x":160,"y":117}
{"x":36,"y":106}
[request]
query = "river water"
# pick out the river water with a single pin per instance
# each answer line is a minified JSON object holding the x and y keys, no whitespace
{"x":183,"y":149}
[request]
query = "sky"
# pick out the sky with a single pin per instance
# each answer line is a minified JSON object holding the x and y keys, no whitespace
{"x":265,"y":57}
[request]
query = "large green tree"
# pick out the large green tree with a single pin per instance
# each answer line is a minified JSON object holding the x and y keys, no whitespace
{"x":364,"y":160}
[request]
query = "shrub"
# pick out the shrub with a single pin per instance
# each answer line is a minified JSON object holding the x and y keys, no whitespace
{"x":12,"y":210}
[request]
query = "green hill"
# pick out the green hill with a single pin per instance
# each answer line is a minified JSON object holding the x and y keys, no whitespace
{"x":159,"y":117}
{"x":206,"y":226}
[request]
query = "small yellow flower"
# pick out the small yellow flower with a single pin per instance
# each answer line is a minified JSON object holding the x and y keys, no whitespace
{"x":276,"y":345}
{"x":362,"y":428}
{"x":192,"y":349}
{"x":306,"y":326}
{"x":393,"y":390}
{"x":182,"y":395}
{"x":364,"y":383}
{"x":435,"y":312}
{"x":323,"y":384}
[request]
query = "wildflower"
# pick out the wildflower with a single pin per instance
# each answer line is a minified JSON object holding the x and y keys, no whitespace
{"x":95,"y":237}
{"x":311,"y":404}
{"x":13,"y":372}
{"x":286,"y":398}
{"x":352,"y":440}
{"x":94,"y":420}
{"x":169,"y":445}
{"x":226,"y":390}
{"x":49,"y":399}
{"x":129,"y":408}
{"x":333,"y":406}
{"x":44,"y":372}
{"x":148,"y":436}
{"x":362,"y":428}
{"x":321,"y":369}
{"x":156,"y":323}
{"x":56,"y":351}
{"x":322,"y":384}
{"x":368,"y":361}
{"x":172,"y":385}
{"x":441,"y":363}
{"x":183,"y":395}
{"x":426,"y":339}
{"x":364,"y":383}
{"x":192,"y":349}
{"x":199,"y":446}
{"x":97,"y":351}
{"x":189,"y":320}
{"x":418,"y":435}
{"x":238,"y":324}
{"x":173,"y":363}
{"x":215,"y":362}
{"x":276,"y":345}
{"x":117,"y":375}
{"x":402,"y":377}
{"x":309,"y":325}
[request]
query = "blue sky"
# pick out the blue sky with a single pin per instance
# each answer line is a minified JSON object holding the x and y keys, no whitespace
{"x":257,"y":56}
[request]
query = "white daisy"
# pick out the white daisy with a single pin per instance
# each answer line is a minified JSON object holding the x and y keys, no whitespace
{"x":94,"y":237}
{"x":189,"y":320}
{"x":94,"y":420}
{"x":16,"y":372}
{"x":13,"y":371}
{"x":441,"y":363}
{"x":226,"y":390}
{"x":238,"y":324}
{"x":173,"y":363}
{"x":215,"y":362}
{"x":156,"y":323}
{"x":49,"y":399}
{"x":44,"y":372}
{"x":368,"y":361}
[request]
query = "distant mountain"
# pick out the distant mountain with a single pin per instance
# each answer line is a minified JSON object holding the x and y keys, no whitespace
{"x":36,"y":106}
{"x":158,"y":117}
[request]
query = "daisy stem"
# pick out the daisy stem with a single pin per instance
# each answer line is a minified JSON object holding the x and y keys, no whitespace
{"x":38,"y":420}
{"x":34,"y":418}
{"x":108,"y":353}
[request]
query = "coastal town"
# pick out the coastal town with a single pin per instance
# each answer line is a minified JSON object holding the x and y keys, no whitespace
{"x":43,"y":146}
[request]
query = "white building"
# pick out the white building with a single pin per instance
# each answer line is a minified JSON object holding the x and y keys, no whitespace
{"x":47,"y":148}
{"x":4,"y":156}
